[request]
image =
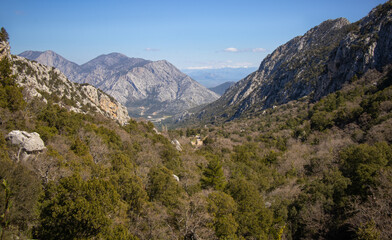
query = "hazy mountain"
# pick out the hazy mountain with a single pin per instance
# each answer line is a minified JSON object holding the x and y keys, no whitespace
{"x":146,"y":87}
{"x":313,"y":65}
{"x":213,"y":77}
{"x":221,"y":88}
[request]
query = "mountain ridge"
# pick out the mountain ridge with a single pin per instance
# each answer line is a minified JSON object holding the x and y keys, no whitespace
{"x":146,"y":87}
{"x":312,"y":65}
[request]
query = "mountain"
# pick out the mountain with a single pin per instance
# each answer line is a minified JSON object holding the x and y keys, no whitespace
{"x":319,"y":62}
{"x":50,"y":58}
{"x":221,"y":88}
{"x":155,"y":88}
{"x":50,"y":84}
{"x":216,"y":76}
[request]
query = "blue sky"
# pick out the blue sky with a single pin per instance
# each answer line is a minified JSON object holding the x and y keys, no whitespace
{"x":187,"y":33}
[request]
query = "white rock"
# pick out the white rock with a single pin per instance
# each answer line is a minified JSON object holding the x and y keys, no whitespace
{"x":176,"y":177}
{"x":30,"y":142}
{"x":176,"y":143}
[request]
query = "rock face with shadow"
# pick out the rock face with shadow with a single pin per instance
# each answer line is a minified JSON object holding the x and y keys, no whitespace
{"x":313,"y":65}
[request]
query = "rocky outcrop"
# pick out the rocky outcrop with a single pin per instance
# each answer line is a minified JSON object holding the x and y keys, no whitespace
{"x":5,"y":50}
{"x":313,"y":65}
{"x":145,"y":87}
{"x":28,"y":142}
{"x":49,"y":83}
{"x":177,"y":144}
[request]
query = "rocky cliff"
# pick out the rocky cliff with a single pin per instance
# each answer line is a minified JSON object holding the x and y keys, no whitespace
{"x":313,"y":65}
{"x":154,"y":88}
{"x":48,"y":83}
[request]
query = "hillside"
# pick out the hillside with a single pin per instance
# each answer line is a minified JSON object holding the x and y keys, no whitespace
{"x":147,"y":88}
{"x":49,"y":84}
{"x":313,"y":65}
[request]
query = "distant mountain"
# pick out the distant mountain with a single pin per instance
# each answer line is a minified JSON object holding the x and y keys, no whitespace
{"x":214,"y":77}
{"x":313,"y":65}
{"x":147,"y":88}
{"x":221,"y":88}
{"x":50,"y":58}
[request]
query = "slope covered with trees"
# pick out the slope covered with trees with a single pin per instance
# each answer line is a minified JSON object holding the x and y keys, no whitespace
{"x":301,"y":170}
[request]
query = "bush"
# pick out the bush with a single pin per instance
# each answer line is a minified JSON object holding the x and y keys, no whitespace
{"x":362,"y":163}
{"x":321,"y":120}
{"x":11,"y":96}
{"x":76,"y":209}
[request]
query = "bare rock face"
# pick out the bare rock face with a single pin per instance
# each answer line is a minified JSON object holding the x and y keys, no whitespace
{"x":313,"y":65}
{"x":29,"y":142}
{"x":42,"y":81}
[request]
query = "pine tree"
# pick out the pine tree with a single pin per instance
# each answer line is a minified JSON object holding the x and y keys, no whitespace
{"x":213,"y":175}
{"x":3,"y":35}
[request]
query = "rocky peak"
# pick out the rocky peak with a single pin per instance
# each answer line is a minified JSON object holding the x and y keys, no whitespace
{"x":113,"y":61}
{"x":50,"y":58}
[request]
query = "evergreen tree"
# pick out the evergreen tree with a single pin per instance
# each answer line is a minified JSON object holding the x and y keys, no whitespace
{"x":163,"y":187}
{"x":213,"y":175}
{"x":223,"y":207}
{"x":11,"y":96}
{"x":253,"y":217}
{"x":3,"y":35}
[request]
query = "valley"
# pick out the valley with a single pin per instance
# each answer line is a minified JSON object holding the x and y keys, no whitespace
{"x":128,"y":148}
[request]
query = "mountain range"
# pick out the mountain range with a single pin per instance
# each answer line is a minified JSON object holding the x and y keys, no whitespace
{"x":221,"y":88}
{"x":311,"y":66}
{"x":146,"y":88}
{"x":216,"y":76}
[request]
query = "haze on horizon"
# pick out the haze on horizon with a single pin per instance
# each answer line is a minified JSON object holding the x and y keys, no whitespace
{"x":190,"y":34}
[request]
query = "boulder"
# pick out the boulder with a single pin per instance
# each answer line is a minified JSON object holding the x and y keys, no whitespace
{"x":29,"y":142}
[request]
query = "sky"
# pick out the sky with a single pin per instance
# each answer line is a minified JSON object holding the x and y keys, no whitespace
{"x":191,"y":34}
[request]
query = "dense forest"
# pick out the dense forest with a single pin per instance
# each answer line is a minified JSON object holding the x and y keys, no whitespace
{"x":302,"y":170}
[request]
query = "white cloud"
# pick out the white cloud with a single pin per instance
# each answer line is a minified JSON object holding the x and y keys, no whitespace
{"x":151,"y":49}
{"x":230,"y":49}
{"x":259,"y":50}
{"x":199,"y":68}
{"x":225,"y":64}
{"x":244,"y":50}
